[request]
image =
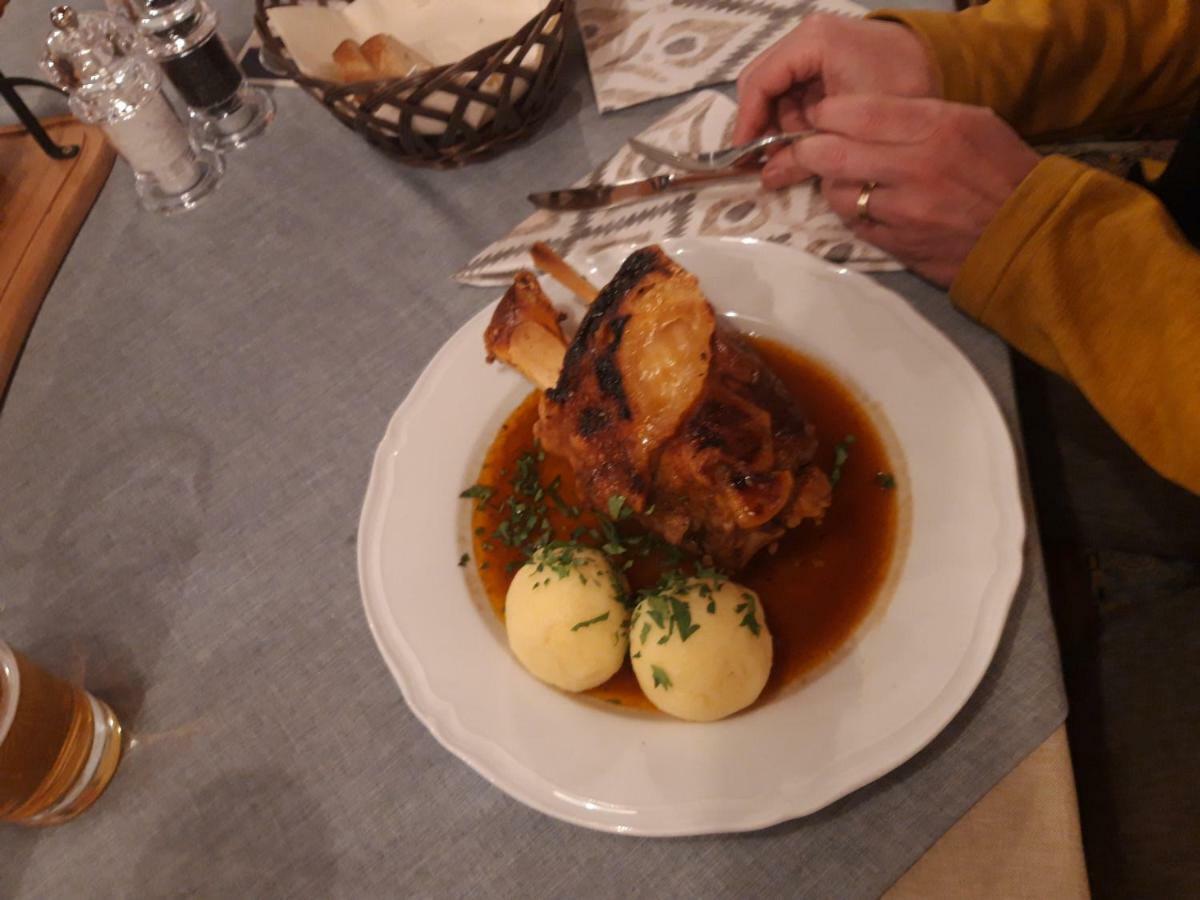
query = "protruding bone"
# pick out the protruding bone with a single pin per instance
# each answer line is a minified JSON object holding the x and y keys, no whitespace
{"x":525,"y":332}
{"x":557,"y":268}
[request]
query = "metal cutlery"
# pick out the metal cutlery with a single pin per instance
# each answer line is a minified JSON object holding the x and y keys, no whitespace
{"x":713,"y":160}
{"x":597,"y":196}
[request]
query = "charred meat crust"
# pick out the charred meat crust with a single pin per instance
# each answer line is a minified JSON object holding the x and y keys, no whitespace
{"x":636,"y":267}
{"x":723,"y":467}
{"x":608,"y":374}
{"x":592,"y":421}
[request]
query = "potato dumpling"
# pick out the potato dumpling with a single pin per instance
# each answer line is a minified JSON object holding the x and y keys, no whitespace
{"x":565,"y":618}
{"x":700,"y":648}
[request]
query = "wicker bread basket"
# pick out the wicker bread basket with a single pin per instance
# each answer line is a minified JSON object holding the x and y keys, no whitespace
{"x":447,"y":115}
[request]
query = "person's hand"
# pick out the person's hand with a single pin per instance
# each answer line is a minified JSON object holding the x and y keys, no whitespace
{"x":941,"y":173}
{"x":827,"y":56}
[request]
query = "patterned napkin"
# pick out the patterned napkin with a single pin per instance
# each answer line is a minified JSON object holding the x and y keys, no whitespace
{"x":798,"y":216}
{"x":638,"y":50}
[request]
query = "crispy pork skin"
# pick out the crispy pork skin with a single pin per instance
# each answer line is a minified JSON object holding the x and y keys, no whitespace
{"x":660,"y":402}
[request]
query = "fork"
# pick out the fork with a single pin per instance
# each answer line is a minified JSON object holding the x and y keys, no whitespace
{"x":718,"y":159}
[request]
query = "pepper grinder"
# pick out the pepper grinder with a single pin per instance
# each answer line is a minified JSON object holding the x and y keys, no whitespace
{"x":104,"y":66}
{"x":226,"y":111}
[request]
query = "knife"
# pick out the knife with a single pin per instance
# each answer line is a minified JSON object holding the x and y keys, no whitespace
{"x":598,"y":196}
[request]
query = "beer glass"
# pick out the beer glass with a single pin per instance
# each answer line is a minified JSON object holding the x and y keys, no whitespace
{"x":59,"y":745}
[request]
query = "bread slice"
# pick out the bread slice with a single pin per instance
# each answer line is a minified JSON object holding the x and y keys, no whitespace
{"x":392,"y":59}
{"x":351,"y":64}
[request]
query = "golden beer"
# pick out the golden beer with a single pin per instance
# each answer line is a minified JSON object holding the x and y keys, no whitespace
{"x":59,"y":745}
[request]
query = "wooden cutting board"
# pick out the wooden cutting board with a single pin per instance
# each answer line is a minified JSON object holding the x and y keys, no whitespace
{"x":43,"y":203}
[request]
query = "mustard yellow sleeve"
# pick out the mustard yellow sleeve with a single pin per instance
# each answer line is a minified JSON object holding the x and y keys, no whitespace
{"x":1088,"y":274}
{"x":1053,"y":68}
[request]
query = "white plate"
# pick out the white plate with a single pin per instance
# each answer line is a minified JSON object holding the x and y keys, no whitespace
{"x":907,"y":671}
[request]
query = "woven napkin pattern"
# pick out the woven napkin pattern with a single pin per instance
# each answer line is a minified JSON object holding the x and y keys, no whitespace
{"x":639,"y":50}
{"x":797,"y":216}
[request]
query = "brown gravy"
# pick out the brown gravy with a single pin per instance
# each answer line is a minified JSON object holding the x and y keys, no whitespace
{"x":816,"y":588}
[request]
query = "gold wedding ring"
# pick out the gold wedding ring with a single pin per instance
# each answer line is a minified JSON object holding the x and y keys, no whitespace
{"x":863,"y":204}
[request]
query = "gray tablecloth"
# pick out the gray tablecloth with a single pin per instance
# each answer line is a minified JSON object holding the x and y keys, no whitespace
{"x":183,"y":453}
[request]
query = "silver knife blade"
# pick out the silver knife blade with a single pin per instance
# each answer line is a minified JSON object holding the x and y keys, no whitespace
{"x":656,"y":154}
{"x":598,"y":196}
{"x":719,"y":160}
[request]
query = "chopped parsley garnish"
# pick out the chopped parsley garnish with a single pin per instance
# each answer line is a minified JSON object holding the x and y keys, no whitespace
{"x":617,"y":510}
{"x":667,"y":606}
{"x":522,"y":531}
{"x":681,"y":615}
{"x":559,"y":558}
{"x":526,"y":522}
{"x":481,"y":492}
{"x":708,"y":573}
{"x":671,"y":582}
{"x":749,"y":620}
{"x":556,"y":497}
{"x":464,"y":559}
{"x":603,"y":617}
{"x":885,"y":480}
{"x":527,"y":526}
{"x":657,"y":609}
{"x":841,"y":453}
{"x":612,"y":545}
{"x":661,"y":678}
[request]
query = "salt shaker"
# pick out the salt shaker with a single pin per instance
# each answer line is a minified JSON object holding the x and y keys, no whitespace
{"x":104,"y":65}
{"x":183,"y":37}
